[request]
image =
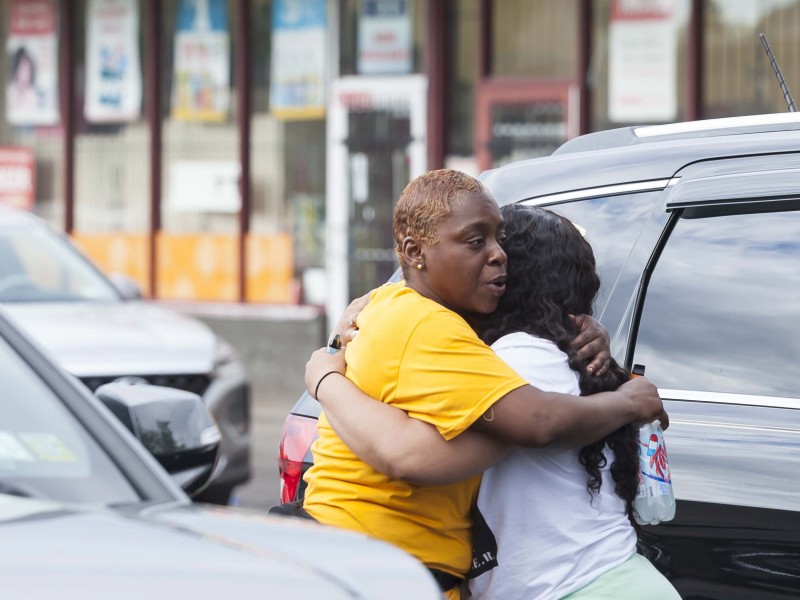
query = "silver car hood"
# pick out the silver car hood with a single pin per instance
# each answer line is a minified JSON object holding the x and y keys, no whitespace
{"x":49,"y":551}
{"x":117,"y":338}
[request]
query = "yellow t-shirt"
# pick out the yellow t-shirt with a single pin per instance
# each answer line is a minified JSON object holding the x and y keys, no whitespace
{"x":425,"y":359}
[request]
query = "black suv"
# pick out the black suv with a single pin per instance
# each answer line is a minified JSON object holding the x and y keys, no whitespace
{"x":696,"y":230}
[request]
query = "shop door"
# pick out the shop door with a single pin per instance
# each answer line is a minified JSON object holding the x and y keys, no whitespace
{"x":376,"y":146}
{"x":517,"y":120}
{"x":377,"y":151}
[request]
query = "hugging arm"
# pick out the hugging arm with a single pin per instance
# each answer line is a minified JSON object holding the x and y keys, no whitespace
{"x":402,"y":447}
{"x":390,"y":441}
{"x":528,"y":416}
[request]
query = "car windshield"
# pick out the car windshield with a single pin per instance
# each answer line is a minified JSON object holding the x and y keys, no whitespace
{"x":37,"y":265}
{"x":44,"y":451}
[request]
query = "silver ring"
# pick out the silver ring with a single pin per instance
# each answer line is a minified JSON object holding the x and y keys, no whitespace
{"x":350,"y":322}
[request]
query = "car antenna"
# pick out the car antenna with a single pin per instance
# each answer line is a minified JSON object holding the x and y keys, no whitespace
{"x":786,"y":94}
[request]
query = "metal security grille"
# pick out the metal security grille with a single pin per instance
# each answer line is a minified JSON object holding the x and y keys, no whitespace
{"x":529,"y":130}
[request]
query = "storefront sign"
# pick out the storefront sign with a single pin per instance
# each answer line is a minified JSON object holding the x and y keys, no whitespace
{"x":32,"y":89}
{"x":113,"y":71}
{"x":204,"y":186}
{"x":17,"y":177}
{"x":201,"y":84}
{"x":384,"y":37}
{"x":642,"y":67}
{"x":297,"y":83}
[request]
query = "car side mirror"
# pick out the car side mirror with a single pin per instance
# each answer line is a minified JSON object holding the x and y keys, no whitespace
{"x":174,"y":425}
{"x":127,"y":286}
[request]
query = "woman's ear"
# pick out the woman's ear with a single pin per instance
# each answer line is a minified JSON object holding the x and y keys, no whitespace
{"x":412,"y":251}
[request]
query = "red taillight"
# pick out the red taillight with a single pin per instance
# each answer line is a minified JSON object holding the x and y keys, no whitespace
{"x":298,"y":435}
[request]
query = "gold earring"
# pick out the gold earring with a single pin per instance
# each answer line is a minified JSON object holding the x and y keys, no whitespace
{"x":419,"y":266}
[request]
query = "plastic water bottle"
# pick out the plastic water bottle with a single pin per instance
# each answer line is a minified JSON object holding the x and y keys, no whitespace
{"x":655,"y":501}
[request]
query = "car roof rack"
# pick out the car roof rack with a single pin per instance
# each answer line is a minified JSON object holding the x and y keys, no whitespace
{"x":628,"y":136}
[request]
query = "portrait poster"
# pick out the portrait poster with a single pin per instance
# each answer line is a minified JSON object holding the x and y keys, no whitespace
{"x":299,"y":63}
{"x":32,"y":53}
{"x":201,"y":77}
{"x":384,"y":37}
{"x":642,"y":62}
{"x":113,"y":68}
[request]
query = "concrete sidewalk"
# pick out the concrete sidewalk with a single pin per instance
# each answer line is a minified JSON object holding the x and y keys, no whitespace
{"x":274,"y":342}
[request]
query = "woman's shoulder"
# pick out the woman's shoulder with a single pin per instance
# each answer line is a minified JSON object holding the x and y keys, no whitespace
{"x":521,"y":339}
{"x":539,"y":361}
{"x":396,"y":304}
{"x":397,"y":297}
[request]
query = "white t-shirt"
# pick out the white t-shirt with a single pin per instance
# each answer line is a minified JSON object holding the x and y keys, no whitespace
{"x":552,"y":537}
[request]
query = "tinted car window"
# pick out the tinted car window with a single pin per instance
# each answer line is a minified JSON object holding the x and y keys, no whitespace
{"x":722,"y":306}
{"x":611,"y":225}
{"x":44,"y":450}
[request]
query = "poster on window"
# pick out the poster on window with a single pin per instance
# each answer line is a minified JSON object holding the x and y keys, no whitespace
{"x":201,"y":79}
{"x":384,"y":37}
{"x":17,"y":177}
{"x":642,"y":61}
{"x":31,"y":48}
{"x":298,"y":69}
{"x":113,"y":69}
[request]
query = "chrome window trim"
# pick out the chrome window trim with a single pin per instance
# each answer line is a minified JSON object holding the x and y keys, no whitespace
{"x":739,"y":426}
{"x":607,"y":190}
{"x":728,"y":398}
{"x":722,"y":123}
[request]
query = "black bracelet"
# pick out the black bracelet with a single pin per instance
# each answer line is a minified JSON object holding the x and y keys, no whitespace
{"x":321,"y":379}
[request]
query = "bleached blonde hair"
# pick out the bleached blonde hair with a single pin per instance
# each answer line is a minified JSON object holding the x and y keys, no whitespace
{"x":425,"y":202}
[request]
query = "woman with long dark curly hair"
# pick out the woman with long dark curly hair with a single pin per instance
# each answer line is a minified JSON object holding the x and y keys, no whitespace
{"x":554,"y":278}
{"x":562,"y":520}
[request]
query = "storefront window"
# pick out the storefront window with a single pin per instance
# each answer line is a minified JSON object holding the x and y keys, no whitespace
{"x":285,"y":246}
{"x":638,"y":69}
{"x":738,"y":78}
{"x":198,"y":246}
{"x":112,"y":203}
{"x":534,"y":39}
{"x":460,"y":95}
{"x":382,"y":37}
{"x":31,"y":136}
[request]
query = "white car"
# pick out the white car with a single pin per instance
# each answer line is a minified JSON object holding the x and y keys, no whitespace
{"x":87,"y":512}
{"x":100,"y":331}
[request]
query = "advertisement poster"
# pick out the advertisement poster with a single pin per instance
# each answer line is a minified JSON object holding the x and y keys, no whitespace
{"x":31,"y":49}
{"x":113,"y":69}
{"x":642,"y":62}
{"x":297,"y":85}
{"x":384,"y":37}
{"x":201,"y":81}
{"x":17,"y":177}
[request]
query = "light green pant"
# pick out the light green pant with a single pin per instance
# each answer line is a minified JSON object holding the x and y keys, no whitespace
{"x":635,"y":578}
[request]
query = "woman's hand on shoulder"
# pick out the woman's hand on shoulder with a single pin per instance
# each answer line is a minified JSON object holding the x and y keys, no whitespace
{"x":331,"y":358}
{"x":592,"y":343}
{"x":346,"y":327}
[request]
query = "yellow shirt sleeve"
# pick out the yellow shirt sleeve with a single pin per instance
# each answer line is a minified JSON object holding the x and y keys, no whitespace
{"x":448,"y":377}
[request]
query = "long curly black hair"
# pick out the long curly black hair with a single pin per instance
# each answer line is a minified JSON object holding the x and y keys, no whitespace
{"x":552,"y":275}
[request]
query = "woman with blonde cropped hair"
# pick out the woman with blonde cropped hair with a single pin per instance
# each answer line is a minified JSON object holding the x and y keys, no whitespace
{"x":417,"y":351}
